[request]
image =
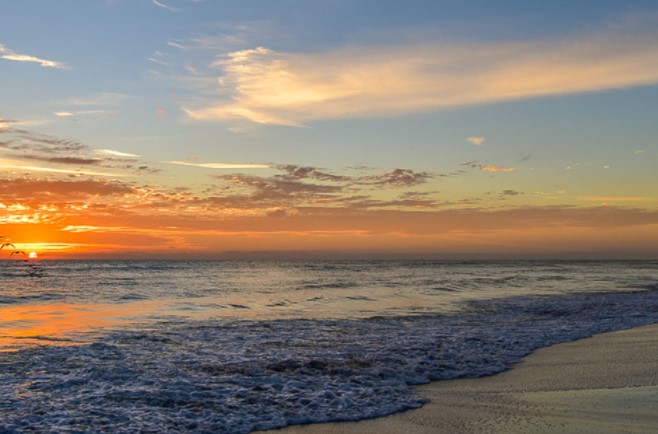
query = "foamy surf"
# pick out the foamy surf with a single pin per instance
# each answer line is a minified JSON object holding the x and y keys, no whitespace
{"x":237,"y":376}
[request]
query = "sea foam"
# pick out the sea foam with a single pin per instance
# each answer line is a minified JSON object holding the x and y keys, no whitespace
{"x":235,"y":376}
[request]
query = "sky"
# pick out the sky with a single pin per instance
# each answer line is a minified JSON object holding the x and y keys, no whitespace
{"x":329,"y":128}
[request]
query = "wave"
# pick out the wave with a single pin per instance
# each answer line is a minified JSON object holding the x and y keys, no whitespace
{"x":331,"y":285}
{"x":227,"y":376}
{"x":31,"y":298}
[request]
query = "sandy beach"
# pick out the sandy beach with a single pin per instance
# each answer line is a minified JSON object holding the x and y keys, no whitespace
{"x":604,"y":384}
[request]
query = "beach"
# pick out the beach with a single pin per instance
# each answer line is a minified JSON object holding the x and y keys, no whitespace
{"x":604,"y":384}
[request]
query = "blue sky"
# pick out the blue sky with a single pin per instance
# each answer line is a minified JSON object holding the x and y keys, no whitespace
{"x":477,"y":105}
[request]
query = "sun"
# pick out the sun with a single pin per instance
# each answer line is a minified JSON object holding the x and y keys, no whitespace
{"x":33,"y":255}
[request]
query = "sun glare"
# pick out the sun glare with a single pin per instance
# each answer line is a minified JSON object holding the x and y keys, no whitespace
{"x":33,"y":255}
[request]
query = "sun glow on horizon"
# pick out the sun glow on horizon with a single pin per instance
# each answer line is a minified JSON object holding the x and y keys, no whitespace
{"x":229,"y":140}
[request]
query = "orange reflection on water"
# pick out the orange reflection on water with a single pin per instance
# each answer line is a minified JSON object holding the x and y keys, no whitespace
{"x":57,"y":324}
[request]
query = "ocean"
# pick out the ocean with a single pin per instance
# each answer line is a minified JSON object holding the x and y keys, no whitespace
{"x":240,"y":346}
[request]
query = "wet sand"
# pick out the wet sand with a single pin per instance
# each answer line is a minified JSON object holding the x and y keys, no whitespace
{"x":604,"y":384}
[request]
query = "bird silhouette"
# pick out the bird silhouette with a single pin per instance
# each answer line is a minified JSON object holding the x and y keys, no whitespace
{"x":17,"y":252}
{"x":7,"y":245}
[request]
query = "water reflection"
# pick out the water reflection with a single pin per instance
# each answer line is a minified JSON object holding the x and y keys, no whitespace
{"x":60,"y":324}
{"x":70,"y":299}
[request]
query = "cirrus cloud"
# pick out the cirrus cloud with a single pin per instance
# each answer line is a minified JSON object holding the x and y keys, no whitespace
{"x":14,"y":165}
{"x":7,"y":54}
{"x":112,"y":153}
{"x":220,"y":165}
{"x":283,"y":88}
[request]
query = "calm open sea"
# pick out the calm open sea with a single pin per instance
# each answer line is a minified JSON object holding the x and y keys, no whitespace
{"x":173,"y":346}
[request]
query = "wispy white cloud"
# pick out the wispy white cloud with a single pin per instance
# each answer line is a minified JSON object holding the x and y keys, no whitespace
{"x":269,"y":87}
{"x":8,"y":123}
{"x":67,"y":114}
{"x":19,"y":166}
{"x":477,"y":141}
{"x":177,"y":45}
{"x":116,"y":153}
{"x":158,"y":61}
{"x":7,"y":54}
{"x":98,"y":104}
{"x":164,"y":6}
{"x":98,"y":99}
{"x":221,"y":165}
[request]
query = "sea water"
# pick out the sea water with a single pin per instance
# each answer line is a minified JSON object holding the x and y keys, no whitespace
{"x":234,"y":347}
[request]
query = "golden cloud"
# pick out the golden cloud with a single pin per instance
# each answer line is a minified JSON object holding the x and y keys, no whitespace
{"x":269,"y":87}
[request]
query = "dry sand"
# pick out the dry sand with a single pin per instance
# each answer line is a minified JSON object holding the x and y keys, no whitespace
{"x":604,"y":384}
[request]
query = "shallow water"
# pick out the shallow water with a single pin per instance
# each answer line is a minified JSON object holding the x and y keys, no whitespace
{"x":239,"y":346}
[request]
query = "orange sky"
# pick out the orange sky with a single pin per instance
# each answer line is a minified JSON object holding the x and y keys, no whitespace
{"x":217,"y":129}
{"x":164,"y":210}
{"x":139,"y":229}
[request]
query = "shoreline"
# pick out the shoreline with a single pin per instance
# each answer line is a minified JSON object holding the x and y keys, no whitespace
{"x":607,"y":383}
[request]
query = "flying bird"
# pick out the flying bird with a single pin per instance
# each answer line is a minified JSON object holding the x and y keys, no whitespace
{"x":17,"y":252}
{"x":7,"y":244}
